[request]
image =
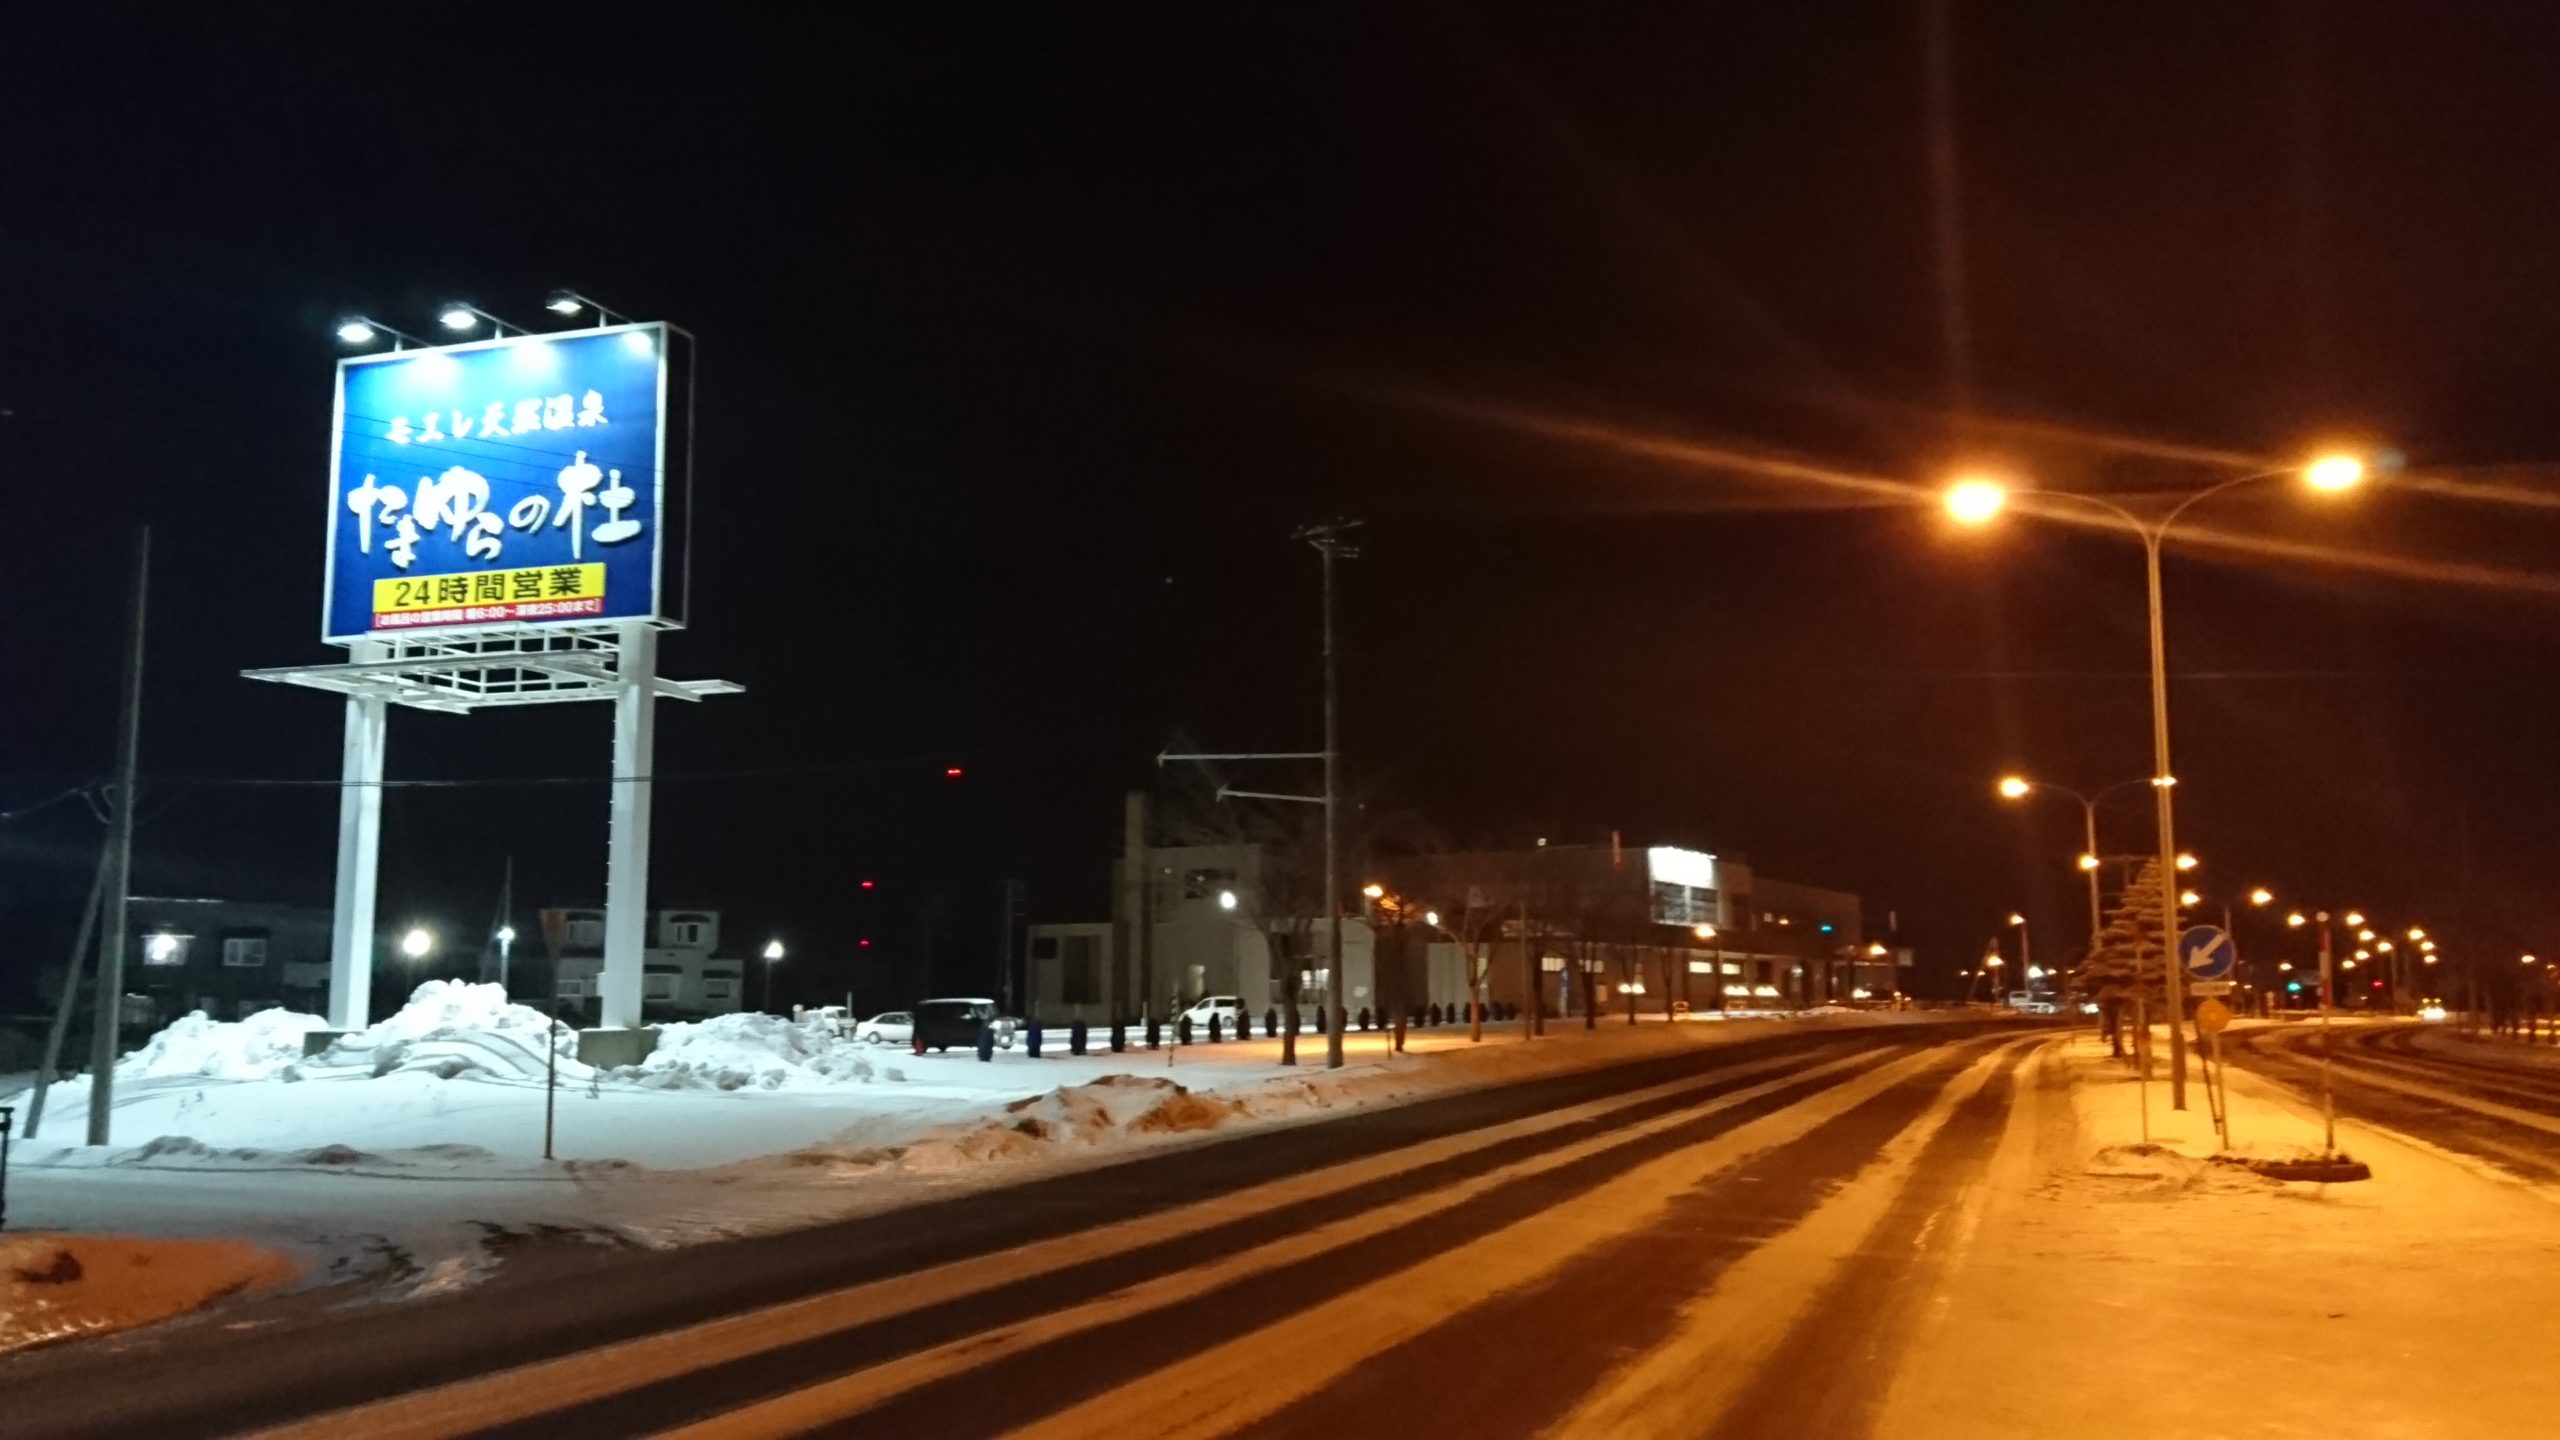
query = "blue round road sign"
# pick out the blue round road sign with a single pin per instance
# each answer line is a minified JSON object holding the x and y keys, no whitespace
{"x":2207,"y":952}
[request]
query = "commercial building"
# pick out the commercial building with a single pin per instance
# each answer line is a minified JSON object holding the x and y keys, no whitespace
{"x":1613,"y":927}
{"x":1568,"y":927}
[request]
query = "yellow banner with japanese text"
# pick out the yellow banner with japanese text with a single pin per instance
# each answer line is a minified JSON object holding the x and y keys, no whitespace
{"x":540,"y":592}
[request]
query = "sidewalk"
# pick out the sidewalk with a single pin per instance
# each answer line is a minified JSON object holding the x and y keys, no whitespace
{"x":2112,"y":1289}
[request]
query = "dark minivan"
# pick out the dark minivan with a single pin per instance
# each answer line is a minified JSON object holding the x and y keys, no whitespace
{"x":941,"y":1024}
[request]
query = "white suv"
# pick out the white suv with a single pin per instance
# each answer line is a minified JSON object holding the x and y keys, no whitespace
{"x":1228,"y":1009}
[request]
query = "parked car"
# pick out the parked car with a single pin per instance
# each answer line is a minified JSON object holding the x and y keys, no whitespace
{"x":1228,"y":1009}
{"x":941,"y":1024}
{"x":889,"y":1027}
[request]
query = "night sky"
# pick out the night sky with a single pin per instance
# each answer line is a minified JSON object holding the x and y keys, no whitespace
{"x":1028,"y":336}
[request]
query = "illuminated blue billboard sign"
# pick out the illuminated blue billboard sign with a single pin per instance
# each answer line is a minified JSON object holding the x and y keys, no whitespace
{"x":501,"y":484}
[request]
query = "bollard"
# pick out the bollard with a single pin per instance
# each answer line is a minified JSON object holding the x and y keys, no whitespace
{"x":986,"y":1043}
{"x":1217,"y":1036}
{"x":1031,"y":1039}
{"x":1119,"y":1037}
{"x":7,"y":1114}
{"x":1271,"y":1022}
{"x":1399,"y":1034}
{"x":1182,"y":1031}
{"x":1075,"y":1038}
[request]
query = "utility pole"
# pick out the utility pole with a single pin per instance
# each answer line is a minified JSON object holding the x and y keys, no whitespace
{"x":1328,"y":542}
{"x":69,"y":999}
{"x":105,"y":1037}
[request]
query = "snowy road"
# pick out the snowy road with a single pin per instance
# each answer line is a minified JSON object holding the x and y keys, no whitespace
{"x":2499,"y":1102}
{"x":1675,"y":1246}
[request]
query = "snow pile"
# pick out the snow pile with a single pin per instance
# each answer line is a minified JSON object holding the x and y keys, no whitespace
{"x":452,"y":1028}
{"x":259,"y":1048}
{"x":1103,"y":1113}
{"x":752,"y":1051}
{"x":60,"y":1287}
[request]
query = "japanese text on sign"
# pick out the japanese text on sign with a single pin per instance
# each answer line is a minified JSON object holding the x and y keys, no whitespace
{"x":541,"y":592}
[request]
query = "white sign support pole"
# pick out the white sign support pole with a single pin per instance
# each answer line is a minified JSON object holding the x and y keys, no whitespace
{"x":626,"y":875}
{"x":351,"y":925}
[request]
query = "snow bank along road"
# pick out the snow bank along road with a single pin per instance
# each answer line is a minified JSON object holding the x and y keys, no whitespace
{"x":1674,"y":1246}
{"x":2485,"y":1099}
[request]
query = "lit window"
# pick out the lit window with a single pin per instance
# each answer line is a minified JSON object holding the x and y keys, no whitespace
{"x":163,"y":948}
{"x":244,"y":951}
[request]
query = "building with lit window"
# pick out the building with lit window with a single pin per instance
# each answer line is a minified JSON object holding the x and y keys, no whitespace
{"x":683,"y":975}
{"x":1215,"y":922}
{"x":228,"y":958}
{"x":1604,"y":924}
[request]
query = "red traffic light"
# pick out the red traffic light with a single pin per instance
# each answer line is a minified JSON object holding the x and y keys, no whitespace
{"x":867,"y":884}
{"x":951,"y":772}
{"x":864,"y":942}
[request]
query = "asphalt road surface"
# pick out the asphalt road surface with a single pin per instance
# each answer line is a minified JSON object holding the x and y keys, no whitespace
{"x":2488,"y":1101}
{"x":1727,"y":1242}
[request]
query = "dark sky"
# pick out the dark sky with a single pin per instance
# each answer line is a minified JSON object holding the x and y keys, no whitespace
{"x":1028,"y":335}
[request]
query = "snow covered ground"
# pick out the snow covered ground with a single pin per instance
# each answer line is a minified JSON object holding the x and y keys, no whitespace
{"x":2107,"y":1288}
{"x":404,"y":1149}
{"x":57,"y":1287}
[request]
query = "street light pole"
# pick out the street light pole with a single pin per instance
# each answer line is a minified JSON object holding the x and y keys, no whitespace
{"x":2328,"y":1102}
{"x":2162,"y":783}
{"x":1975,"y":501}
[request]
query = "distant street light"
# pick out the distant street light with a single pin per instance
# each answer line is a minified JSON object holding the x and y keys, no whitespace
{"x":417,"y":942}
{"x":2019,"y":787}
{"x":2190,"y":899}
{"x":2262,"y":897}
{"x":1974,"y":500}
{"x":772,"y":956}
{"x":2188,"y":862}
{"x":506,"y":945}
{"x":1226,"y":899}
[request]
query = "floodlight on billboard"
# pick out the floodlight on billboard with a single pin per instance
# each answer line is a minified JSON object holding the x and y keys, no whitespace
{"x":502,"y":484}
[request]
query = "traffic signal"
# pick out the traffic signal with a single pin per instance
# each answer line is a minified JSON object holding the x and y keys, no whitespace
{"x":2293,"y":987}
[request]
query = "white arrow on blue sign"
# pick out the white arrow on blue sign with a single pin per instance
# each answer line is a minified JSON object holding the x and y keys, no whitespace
{"x":2207,"y":952}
